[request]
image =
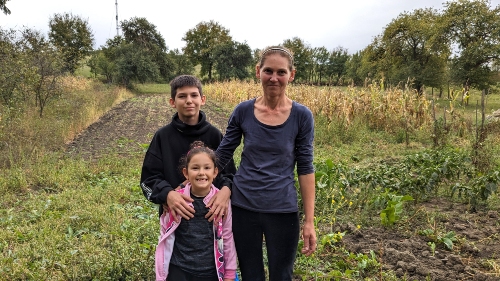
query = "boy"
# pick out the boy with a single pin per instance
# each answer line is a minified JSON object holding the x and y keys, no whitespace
{"x":160,"y":173}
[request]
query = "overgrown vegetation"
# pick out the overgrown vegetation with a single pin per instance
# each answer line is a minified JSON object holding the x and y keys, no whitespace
{"x":65,"y":218}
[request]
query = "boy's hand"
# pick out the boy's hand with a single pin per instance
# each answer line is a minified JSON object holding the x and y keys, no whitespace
{"x":176,"y":202}
{"x":218,"y":204}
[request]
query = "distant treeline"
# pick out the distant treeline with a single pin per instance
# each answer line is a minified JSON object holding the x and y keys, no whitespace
{"x":457,"y":45}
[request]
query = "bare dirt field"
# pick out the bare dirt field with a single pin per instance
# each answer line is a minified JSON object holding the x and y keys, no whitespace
{"x":475,"y":256}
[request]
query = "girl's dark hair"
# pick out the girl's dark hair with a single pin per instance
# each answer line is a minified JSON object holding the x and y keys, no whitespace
{"x":195,"y":148}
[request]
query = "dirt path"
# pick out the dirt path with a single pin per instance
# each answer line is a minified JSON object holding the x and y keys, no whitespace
{"x":129,"y":126}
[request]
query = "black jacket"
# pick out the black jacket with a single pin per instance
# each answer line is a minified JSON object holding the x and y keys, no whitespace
{"x":160,"y":169}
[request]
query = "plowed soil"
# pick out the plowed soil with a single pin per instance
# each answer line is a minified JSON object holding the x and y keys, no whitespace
{"x":475,"y":256}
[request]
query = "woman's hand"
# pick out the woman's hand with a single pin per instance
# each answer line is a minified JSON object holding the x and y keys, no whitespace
{"x":176,"y":202}
{"x":309,"y":237}
{"x":218,"y":204}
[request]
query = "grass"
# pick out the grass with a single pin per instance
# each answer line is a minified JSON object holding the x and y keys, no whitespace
{"x":151,"y":88}
{"x":82,"y":220}
{"x":63,"y":218}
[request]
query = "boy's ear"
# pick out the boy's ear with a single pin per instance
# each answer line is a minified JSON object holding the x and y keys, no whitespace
{"x":257,"y":71}
{"x":172,"y":102}
{"x":203,"y":99}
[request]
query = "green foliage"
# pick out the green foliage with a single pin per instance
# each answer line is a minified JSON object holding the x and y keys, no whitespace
{"x":438,"y":236}
{"x":475,"y":28}
{"x":31,"y":70}
{"x":415,"y":48}
{"x":143,"y":35}
{"x":201,"y":44}
{"x":394,"y":207}
{"x":13,"y":68}
{"x":94,"y":224}
{"x":73,"y":37}
{"x":232,"y":60}
{"x":302,"y":54}
{"x":478,"y":188}
{"x":182,"y":64}
{"x":135,"y":64}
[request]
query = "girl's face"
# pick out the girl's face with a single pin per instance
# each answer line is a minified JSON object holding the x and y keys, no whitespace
{"x":200,"y":172}
{"x":275,"y":74}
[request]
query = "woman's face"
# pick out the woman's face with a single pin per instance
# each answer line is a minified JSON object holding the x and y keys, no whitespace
{"x":275,"y":74}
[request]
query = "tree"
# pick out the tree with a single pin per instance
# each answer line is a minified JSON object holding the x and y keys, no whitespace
{"x":143,"y":34}
{"x":320,"y":57}
{"x":73,"y":37}
{"x":201,"y":43}
{"x":475,"y":29}
{"x":337,"y":63}
{"x":3,"y":7}
{"x":182,"y":65}
{"x":135,"y":64}
{"x":11,"y":68}
{"x":302,"y":56}
{"x":415,"y":49}
{"x":233,"y":60}
{"x":45,"y":84}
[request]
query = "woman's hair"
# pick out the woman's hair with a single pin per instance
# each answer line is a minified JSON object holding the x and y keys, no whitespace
{"x":282,"y":51}
{"x":195,"y":148}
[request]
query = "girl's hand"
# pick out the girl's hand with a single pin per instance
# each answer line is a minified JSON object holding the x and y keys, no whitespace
{"x":218,"y":204}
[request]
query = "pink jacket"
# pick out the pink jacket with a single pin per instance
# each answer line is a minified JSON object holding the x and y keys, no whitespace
{"x":225,"y":252}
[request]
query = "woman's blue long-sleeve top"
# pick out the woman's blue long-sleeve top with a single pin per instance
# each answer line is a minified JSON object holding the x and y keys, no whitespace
{"x":264,"y":181}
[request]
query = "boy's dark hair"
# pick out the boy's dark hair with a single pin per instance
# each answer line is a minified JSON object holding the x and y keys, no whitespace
{"x":184,"y":80}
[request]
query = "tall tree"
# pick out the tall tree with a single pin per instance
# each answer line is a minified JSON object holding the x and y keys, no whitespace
{"x":320,"y":58}
{"x":143,"y":34}
{"x":3,"y":7}
{"x":48,"y":65}
{"x":415,"y":49}
{"x":73,"y":37}
{"x":337,"y":64}
{"x":475,"y":29}
{"x":182,"y":64}
{"x":135,"y":64}
{"x":233,"y":60}
{"x":302,"y":55}
{"x":201,"y":43}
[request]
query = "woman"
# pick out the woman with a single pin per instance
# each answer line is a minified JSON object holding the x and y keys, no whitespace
{"x":278,"y":135}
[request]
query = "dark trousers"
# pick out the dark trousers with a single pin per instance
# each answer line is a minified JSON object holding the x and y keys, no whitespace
{"x":281,"y":233}
{"x":175,"y":273}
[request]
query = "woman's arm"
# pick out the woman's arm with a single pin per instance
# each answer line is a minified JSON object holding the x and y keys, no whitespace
{"x":307,"y":190}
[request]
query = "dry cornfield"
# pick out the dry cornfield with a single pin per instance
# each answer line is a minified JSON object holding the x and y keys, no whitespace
{"x":380,"y":109}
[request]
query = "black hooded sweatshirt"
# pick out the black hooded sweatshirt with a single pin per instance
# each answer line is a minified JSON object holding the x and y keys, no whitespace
{"x":160,"y":169}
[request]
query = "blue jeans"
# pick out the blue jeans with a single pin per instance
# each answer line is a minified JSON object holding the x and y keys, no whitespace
{"x":281,"y":233}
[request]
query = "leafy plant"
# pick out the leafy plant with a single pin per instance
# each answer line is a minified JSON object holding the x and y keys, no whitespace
{"x":392,"y":212}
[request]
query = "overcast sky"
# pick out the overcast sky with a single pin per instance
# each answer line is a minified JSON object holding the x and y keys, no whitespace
{"x":351,"y":24}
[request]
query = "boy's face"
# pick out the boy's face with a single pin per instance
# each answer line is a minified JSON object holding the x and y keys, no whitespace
{"x":188,"y":102}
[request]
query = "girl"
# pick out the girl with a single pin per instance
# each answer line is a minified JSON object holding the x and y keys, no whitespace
{"x":196,"y":249}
